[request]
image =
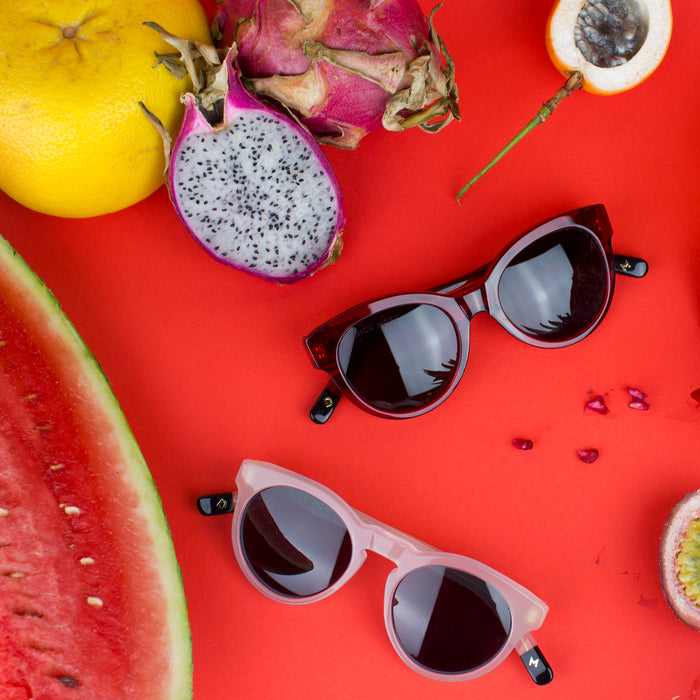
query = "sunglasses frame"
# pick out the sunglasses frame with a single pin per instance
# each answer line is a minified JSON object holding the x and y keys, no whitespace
{"x":369,"y":535}
{"x":461,"y":299}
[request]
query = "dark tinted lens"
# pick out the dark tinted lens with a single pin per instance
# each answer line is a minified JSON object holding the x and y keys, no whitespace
{"x":556,"y":287}
{"x":449,"y":621}
{"x":295,"y":544}
{"x":402,"y":358}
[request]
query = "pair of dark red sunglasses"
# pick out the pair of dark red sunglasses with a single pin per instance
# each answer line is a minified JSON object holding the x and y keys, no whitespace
{"x":403,"y":355}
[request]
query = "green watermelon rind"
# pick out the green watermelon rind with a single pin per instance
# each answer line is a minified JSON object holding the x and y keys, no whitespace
{"x":139,"y":475}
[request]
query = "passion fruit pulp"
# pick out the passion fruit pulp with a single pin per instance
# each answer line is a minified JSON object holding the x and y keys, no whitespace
{"x":614,"y":44}
{"x":679,"y":559}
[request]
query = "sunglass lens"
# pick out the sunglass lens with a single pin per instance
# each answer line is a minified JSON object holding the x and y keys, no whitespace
{"x":557,"y":286}
{"x":293,"y":542}
{"x":400,"y":359}
{"x":449,"y":621}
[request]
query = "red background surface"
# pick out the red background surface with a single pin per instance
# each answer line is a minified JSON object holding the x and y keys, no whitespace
{"x":209,"y":368}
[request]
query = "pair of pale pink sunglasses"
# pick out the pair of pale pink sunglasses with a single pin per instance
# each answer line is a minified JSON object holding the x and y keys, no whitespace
{"x":448,"y":617}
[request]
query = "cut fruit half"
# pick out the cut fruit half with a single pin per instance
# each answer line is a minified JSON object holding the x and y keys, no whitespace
{"x":614,"y":44}
{"x":91,"y":597}
{"x":679,"y":559}
{"x":602,"y":46}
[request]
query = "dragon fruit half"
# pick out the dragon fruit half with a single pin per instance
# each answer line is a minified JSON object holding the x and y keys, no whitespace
{"x":345,"y":67}
{"x":249,"y":183}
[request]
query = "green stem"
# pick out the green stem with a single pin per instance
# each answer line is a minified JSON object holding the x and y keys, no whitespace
{"x":572,"y":83}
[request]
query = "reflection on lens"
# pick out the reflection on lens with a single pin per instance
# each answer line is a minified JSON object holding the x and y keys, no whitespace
{"x":449,"y":621}
{"x":294,"y":543}
{"x":556,"y":287}
{"x":400,"y":359}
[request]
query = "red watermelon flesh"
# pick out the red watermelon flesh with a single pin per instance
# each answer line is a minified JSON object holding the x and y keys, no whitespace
{"x":91,"y":597}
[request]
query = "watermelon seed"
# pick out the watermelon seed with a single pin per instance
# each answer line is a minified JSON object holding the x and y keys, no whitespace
{"x":56,"y":467}
{"x":69,"y":681}
{"x":4,"y":512}
{"x":16,"y":574}
{"x":94,"y":601}
{"x":85,"y":561}
{"x":26,"y":612}
{"x":71,"y":510}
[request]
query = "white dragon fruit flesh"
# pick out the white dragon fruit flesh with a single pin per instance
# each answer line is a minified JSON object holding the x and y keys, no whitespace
{"x":345,"y":67}
{"x":251,"y":184}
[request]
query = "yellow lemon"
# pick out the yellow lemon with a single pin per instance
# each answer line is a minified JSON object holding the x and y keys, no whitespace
{"x":73,"y":140}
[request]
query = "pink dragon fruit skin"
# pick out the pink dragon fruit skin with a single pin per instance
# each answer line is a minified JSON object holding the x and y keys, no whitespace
{"x":343,"y":66}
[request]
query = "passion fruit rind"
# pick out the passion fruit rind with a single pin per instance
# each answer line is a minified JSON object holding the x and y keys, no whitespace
{"x":679,"y":559}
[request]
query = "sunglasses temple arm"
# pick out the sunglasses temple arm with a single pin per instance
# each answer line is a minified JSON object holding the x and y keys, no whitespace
{"x":323,"y":409}
{"x":533,"y":660}
{"x":217,"y":503}
{"x":631,"y":267}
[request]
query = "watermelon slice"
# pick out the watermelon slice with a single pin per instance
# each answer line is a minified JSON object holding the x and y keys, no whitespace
{"x":91,"y":597}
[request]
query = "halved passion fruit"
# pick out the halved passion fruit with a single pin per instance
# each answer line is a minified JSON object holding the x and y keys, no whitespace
{"x":679,"y":559}
{"x":614,"y":44}
{"x":602,"y":46}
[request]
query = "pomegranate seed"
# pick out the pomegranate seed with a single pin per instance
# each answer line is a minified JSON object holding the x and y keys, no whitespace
{"x":588,"y":456}
{"x":638,"y":397}
{"x":596,"y":404}
{"x":522,"y":444}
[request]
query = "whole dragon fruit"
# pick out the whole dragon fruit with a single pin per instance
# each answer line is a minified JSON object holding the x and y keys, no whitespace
{"x":345,"y":67}
{"x":249,"y":183}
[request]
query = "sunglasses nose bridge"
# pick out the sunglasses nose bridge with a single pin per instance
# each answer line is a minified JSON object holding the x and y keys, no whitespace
{"x":473,"y":302}
{"x":383,"y":539}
